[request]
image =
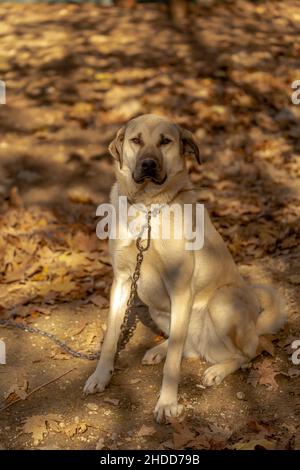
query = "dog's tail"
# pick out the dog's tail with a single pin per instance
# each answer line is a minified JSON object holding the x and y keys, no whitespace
{"x":273,"y":314}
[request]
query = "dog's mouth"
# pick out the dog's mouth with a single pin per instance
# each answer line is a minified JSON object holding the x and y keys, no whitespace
{"x":151,"y":178}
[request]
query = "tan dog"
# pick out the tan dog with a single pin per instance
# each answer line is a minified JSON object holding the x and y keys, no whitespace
{"x":198,"y":298}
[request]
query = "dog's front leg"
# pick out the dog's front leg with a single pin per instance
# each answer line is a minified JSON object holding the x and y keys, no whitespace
{"x":167,"y":405}
{"x":104,"y":370}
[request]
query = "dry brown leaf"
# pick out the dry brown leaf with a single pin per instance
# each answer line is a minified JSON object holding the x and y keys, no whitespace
{"x":64,"y":285}
{"x":264,"y":373}
{"x":16,"y":391}
{"x":71,"y":261}
{"x":146,"y":431}
{"x":17,"y":272}
{"x":60,"y":286}
{"x":40,"y":275}
{"x":182,"y":435}
{"x":261,"y":429}
{"x":40,"y":425}
{"x":255,"y":443}
{"x":85,"y":242}
{"x":201,"y":441}
{"x":75,"y":428}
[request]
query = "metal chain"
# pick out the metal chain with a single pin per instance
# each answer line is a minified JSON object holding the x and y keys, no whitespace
{"x":126,"y":331}
{"x":61,"y":344}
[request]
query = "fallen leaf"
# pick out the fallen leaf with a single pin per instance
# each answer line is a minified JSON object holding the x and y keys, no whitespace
{"x":16,"y":391}
{"x":264,"y":373}
{"x":201,"y":441}
{"x":252,"y":445}
{"x":75,"y":428}
{"x":182,"y":435}
{"x":146,"y":431}
{"x":64,"y":285}
{"x":260,"y":428}
{"x":40,"y":425}
{"x":85,"y":242}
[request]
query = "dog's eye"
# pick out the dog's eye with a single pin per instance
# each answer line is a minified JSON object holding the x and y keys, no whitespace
{"x":136,"y":140}
{"x":165,"y":141}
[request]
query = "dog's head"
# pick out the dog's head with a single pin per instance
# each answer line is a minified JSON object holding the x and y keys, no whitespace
{"x":152,"y":148}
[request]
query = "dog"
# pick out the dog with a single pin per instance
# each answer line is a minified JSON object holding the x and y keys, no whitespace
{"x":198,"y":297}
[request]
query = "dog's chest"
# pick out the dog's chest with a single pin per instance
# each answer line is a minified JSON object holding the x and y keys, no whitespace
{"x":151,"y":283}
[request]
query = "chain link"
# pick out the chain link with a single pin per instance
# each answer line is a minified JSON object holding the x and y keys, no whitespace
{"x":126,"y":330}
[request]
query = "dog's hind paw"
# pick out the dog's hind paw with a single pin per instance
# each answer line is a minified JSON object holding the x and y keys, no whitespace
{"x":96,"y":383}
{"x":214,"y":375}
{"x":155,"y":355}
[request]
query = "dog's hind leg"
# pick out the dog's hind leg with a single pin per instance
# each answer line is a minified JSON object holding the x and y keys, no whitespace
{"x":246,"y":343}
{"x":236,"y":340}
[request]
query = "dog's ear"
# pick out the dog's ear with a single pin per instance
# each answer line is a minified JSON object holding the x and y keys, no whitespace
{"x":189,"y":144}
{"x":116,"y":146}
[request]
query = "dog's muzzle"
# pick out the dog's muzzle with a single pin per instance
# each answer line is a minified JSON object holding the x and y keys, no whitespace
{"x":148,"y":169}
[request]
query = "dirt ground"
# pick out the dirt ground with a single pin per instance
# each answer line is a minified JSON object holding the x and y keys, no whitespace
{"x":74,"y":74}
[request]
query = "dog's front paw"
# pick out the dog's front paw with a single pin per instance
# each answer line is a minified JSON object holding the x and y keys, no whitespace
{"x":97,"y":382}
{"x":214,"y":375}
{"x":164,"y":411}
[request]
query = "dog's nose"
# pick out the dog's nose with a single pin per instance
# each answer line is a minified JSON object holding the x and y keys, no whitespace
{"x":149,"y":165}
